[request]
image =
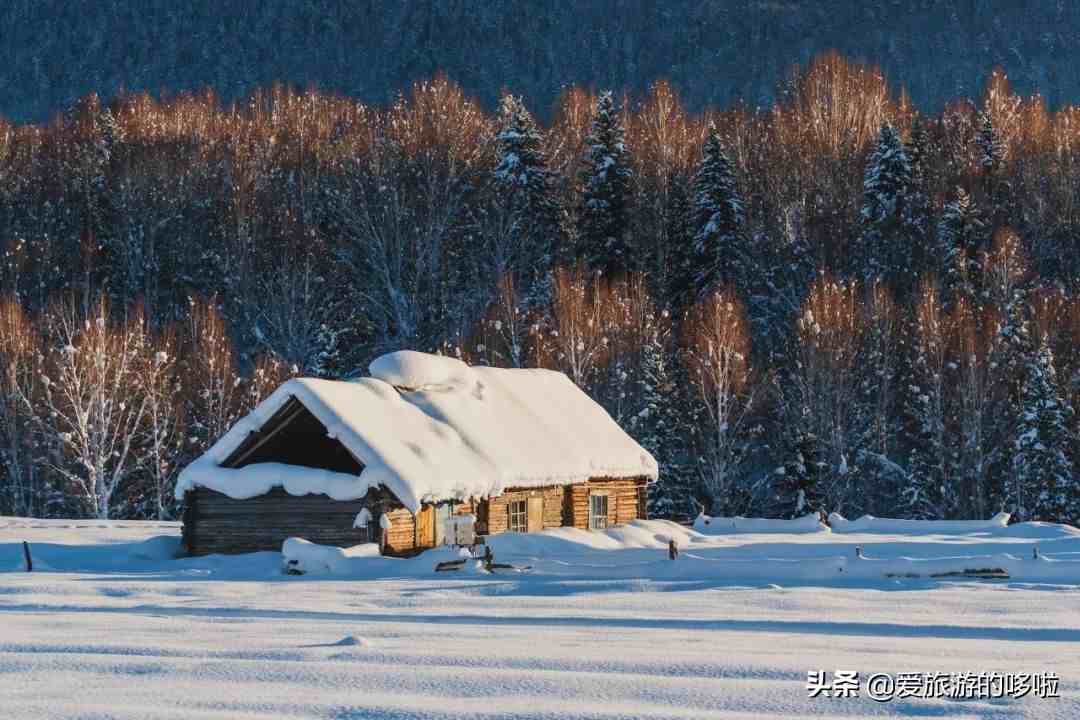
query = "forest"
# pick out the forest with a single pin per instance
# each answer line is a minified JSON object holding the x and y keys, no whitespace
{"x":837,"y":303}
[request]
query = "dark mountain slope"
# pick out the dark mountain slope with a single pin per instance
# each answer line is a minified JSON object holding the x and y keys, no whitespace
{"x":714,"y":52}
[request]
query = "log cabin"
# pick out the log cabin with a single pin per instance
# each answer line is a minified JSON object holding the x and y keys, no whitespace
{"x":392,"y":457}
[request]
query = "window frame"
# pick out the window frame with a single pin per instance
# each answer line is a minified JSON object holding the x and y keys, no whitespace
{"x":599,"y":521}
{"x":517,"y":520}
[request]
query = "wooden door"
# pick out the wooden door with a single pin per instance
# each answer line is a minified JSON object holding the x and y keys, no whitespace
{"x":536,"y":513}
{"x":425,"y":527}
{"x":442,"y":514}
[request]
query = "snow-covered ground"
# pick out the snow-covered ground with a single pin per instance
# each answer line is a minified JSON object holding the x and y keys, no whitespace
{"x":603,"y":625}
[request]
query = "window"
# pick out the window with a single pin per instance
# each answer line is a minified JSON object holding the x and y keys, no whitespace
{"x":598,"y":512}
{"x":519,"y":516}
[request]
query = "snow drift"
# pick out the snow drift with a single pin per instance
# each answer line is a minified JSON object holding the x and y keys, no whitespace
{"x":871,"y":524}
{"x":301,"y":556}
{"x":639,"y":550}
{"x":1043,"y":553}
{"x":722,"y":525}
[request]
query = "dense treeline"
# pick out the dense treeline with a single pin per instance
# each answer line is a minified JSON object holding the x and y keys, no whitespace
{"x":836,"y":304}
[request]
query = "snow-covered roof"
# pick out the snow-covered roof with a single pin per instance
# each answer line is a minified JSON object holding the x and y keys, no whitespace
{"x":431,"y":428}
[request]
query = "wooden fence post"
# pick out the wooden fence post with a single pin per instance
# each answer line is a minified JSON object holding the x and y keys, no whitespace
{"x":29,"y":560}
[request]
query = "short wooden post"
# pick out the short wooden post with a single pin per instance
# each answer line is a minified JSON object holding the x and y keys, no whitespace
{"x":858,"y":553}
{"x":29,"y":560}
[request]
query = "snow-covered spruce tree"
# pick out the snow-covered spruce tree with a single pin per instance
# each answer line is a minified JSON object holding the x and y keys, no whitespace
{"x":678,"y":280}
{"x":1012,"y":354}
{"x":971,"y":406}
{"x":524,"y":225}
{"x":885,"y":249}
{"x":818,"y":392}
{"x":720,"y":257}
{"x":917,"y":206}
{"x":931,"y":491}
{"x":874,"y":449}
{"x":991,"y":149}
{"x":960,"y":239}
{"x":1042,"y":485}
{"x":716,"y":352}
{"x":660,"y":428}
{"x":991,"y":158}
{"x":798,"y":482}
{"x":604,"y":240}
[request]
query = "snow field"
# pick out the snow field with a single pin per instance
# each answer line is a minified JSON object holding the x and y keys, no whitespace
{"x":603,"y":626}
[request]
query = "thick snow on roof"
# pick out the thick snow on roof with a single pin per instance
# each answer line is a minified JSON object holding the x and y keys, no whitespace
{"x":432,"y":428}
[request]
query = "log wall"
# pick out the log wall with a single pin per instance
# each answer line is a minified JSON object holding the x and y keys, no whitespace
{"x":626,"y":501}
{"x":216,"y":523}
{"x":401,"y":537}
{"x":496,"y":516}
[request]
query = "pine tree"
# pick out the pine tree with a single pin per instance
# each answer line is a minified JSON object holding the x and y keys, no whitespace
{"x":1012,"y":357}
{"x":991,"y":158}
{"x":798,"y":482}
{"x":715,"y":354}
{"x":1042,"y":486}
{"x":991,"y":149}
{"x":720,"y":257}
{"x":679,"y":222}
{"x":523,"y":189}
{"x":960,"y":238}
{"x":659,"y":429}
{"x":880,"y":478}
{"x":931,"y":492}
{"x":916,"y":209}
{"x":886,"y":185}
{"x":604,"y":241}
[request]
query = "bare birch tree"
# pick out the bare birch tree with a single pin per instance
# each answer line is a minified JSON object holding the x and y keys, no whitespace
{"x":716,"y":349}
{"x":91,"y":401}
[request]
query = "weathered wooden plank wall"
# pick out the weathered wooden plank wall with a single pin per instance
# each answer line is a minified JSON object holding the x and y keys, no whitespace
{"x":626,"y":501}
{"x":498,"y":511}
{"x":216,"y":523}
{"x":401,"y":537}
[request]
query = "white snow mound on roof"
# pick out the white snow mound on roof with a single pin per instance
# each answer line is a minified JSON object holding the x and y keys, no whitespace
{"x":462,"y":432}
{"x":413,"y":370}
